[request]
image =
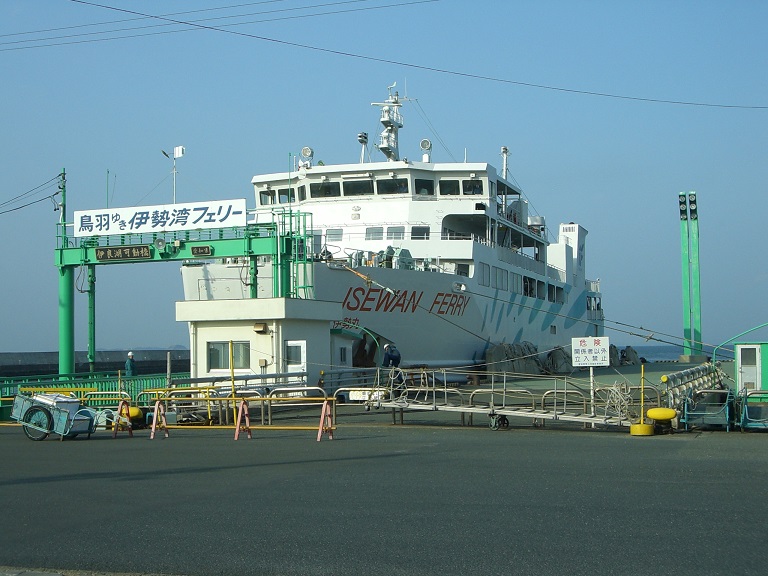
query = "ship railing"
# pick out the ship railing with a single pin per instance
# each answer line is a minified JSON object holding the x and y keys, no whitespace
{"x":555,"y":273}
{"x":592,"y":285}
{"x":595,"y":314}
{"x":521,"y":260}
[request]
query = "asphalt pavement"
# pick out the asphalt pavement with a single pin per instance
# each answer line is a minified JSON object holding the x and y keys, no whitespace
{"x":429,"y":497}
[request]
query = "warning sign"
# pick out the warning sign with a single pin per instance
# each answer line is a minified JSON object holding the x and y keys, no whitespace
{"x":590,"y":351}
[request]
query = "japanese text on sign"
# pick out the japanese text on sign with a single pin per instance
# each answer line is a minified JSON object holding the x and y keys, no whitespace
{"x":163,"y":218}
{"x":590,"y":351}
{"x":123,"y":253}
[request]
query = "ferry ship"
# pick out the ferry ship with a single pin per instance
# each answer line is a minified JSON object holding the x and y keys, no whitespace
{"x":441,"y":258}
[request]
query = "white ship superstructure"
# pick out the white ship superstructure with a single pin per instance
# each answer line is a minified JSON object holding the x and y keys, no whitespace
{"x":441,"y":258}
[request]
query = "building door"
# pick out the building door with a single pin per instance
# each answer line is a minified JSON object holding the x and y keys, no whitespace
{"x":749,"y":367}
{"x":295,"y":359}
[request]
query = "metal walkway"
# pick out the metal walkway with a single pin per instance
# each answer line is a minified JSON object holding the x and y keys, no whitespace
{"x":499,"y":415}
{"x":549,"y":400}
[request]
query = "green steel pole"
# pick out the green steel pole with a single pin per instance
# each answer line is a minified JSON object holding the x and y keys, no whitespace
{"x":92,"y":318}
{"x":66,"y":294}
{"x":253,"y":274}
{"x":695,"y":275}
{"x":686,"y":270}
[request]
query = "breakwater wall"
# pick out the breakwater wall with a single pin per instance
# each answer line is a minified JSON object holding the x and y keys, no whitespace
{"x":39,"y":363}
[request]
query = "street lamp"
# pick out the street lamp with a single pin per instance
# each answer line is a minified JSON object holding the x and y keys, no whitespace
{"x":178,"y":152}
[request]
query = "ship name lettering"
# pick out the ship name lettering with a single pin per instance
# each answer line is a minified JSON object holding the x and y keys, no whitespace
{"x":379,"y":300}
{"x":447,"y":303}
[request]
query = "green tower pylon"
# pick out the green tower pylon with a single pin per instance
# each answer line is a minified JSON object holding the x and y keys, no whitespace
{"x":689,"y":249}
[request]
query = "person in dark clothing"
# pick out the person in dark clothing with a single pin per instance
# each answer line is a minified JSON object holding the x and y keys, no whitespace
{"x":392,"y":361}
{"x":130,"y":366}
{"x":391,"y":356}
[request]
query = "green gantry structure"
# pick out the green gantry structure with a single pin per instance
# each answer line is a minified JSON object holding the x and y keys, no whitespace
{"x":284,"y":240}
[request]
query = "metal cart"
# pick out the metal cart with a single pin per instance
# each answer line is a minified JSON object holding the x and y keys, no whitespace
{"x":41,"y":414}
{"x":754,"y":409}
{"x":711,"y":407}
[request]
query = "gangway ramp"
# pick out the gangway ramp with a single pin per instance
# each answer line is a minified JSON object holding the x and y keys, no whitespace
{"x":499,"y":415}
{"x":499,"y":404}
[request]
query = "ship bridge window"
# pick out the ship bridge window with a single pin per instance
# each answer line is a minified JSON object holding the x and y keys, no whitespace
{"x":324,"y":189}
{"x":374,"y":233}
{"x":286,"y":195}
{"x":266,"y":197}
{"x":395,"y":232}
{"x":334,"y":235}
{"x":449,"y":187}
{"x":218,"y":355}
{"x":302,"y":193}
{"x":420,"y":233}
{"x":393,"y":186}
{"x":472,"y":187}
{"x":358,"y":188}
{"x":424,"y":187}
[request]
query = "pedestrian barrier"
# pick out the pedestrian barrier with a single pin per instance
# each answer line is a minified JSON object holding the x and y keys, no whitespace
{"x":184,"y":400}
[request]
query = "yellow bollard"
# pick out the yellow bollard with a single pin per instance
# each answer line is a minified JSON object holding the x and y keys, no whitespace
{"x":641,"y":429}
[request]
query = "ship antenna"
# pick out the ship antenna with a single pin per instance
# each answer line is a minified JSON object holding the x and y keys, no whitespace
{"x":504,"y":163}
{"x":392,"y":121}
{"x":363,"y":139}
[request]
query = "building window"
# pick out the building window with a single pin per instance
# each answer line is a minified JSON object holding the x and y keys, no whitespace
{"x":375,"y":233}
{"x":293,"y":355}
{"x":393,"y":186}
{"x":449,"y":187}
{"x":218,"y":355}
{"x":358,"y":188}
{"x":425,"y":187}
{"x":395,"y":232}
{"x":420,"y":233}
{"x":324,"y":189}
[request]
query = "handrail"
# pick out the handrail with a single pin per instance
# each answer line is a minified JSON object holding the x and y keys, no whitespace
{"x":565,"y":393}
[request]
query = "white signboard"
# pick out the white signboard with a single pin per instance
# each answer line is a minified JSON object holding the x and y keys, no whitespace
{"x":590,"y":351}
{"x":163,"y":218}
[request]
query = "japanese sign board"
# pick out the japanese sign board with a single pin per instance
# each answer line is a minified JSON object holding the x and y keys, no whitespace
{"x":202,"y":251}
{"x":162,"y":218}
{"x":135,"y":252}
{"x":590,"y":351}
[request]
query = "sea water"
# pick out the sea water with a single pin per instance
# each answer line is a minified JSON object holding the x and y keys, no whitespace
{"x":658,"y":353}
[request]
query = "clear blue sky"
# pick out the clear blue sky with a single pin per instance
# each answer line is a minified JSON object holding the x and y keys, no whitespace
{"x":242,"y":101}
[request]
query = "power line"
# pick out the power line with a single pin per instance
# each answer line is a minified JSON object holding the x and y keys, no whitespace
{"x":27,"y":193}
{"x":74,"y":27}
{"x":429,"y":68}
{"x":50,"y":197}
{"x":190,"y":25}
